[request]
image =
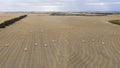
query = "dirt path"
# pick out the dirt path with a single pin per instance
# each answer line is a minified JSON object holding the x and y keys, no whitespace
{"x":60,"y":42}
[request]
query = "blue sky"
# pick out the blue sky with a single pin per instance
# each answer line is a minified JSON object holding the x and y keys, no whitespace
{"x":59,"y":5}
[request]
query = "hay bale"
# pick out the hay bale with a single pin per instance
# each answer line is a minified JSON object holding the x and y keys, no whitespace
{"x":6,"y":45}
{"x":36,"y":44}
{"x":25,"y":49}
{"x":45,"y":45}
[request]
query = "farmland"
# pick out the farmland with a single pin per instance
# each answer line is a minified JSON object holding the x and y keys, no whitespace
{"x":44,"y":41}
{"x":10,"y":20}
{"x":7,"y":16}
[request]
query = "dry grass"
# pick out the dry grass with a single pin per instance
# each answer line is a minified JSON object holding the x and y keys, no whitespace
{"x":8,"y":16}
{"x":9,"y":19}
{"x":61,"y":42}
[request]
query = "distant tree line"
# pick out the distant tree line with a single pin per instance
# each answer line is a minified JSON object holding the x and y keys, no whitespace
{"x":78,"y":14}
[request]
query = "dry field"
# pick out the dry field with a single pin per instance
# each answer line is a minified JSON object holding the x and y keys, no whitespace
{"x":7,"y":16}
{"x":61,"y":42}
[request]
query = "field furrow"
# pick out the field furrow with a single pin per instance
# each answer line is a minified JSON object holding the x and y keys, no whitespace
{"x":60,"y":42}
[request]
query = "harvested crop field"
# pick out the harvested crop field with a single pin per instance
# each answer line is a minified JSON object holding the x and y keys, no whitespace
{"x":7,"y":16}
{"x":61,"y":42}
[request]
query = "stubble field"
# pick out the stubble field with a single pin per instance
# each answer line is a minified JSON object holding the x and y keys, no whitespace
{"x":7,"y":16}
{"x":43,"y":41}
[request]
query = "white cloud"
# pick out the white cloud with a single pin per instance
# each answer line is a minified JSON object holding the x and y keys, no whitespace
{"x":113,"y":3}
{"x":98,"y":6}
{"x":47,"y":8}
{"x":104,"y":3}
{"x":95,"y":3}
{"x":58,"y":5}
{"x":102,"y":6}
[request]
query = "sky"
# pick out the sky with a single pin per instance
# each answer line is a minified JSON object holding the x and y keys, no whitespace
{"x":60,"y":5}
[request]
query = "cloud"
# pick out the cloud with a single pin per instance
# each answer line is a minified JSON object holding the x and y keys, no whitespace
{"x":59,"y":5}
{"x":47,"y":8}
{"x":104,"y":3}
{"x":104,"y":6}
{"x":95,"y":3}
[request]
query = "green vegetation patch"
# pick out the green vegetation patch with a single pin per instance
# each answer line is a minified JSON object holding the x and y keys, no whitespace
{"x":115,"y":22}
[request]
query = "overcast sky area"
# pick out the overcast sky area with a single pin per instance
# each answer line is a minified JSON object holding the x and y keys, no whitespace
{"x":60,"y":5}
